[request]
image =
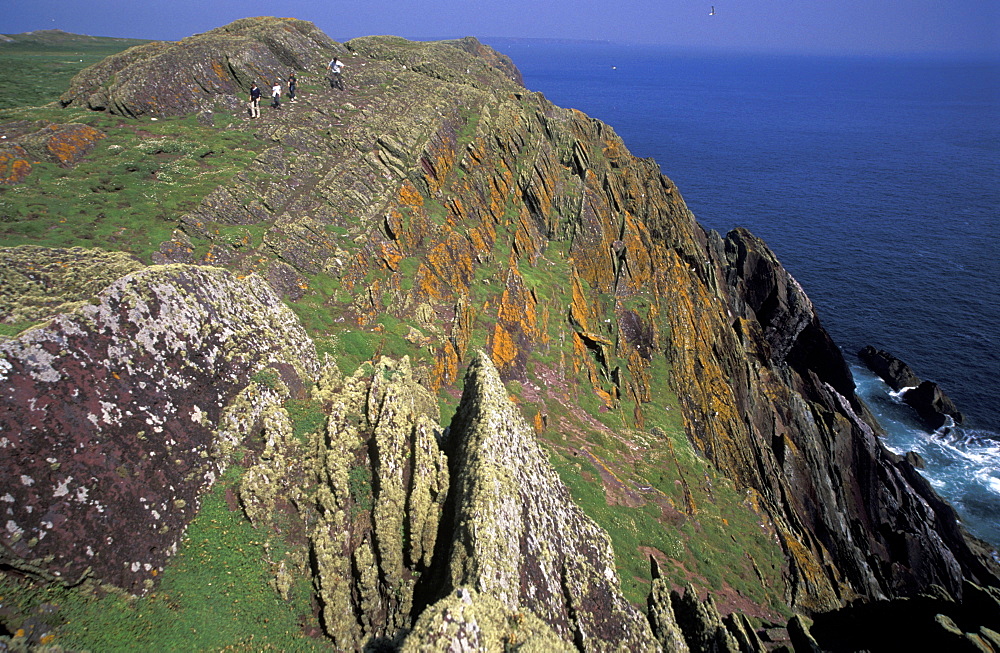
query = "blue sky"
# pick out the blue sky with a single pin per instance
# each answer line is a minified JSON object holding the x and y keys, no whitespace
{"x":838,"y":26}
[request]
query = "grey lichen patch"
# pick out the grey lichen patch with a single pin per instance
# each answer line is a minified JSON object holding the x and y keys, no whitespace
{"x":429,"y":489}
{"x":38,"y":283}
{"x":519,"y":537}
{"x":174,"y":347}
{"x":381,"y":484}
{"x":279,"y":466}
{"x":662,"y":619}
{"x":467,"y":620}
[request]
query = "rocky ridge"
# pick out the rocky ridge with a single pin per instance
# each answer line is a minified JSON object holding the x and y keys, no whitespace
{"x":436,"y":208}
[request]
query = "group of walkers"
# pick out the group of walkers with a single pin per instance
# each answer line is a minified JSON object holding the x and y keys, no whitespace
{"x":336,"y":81}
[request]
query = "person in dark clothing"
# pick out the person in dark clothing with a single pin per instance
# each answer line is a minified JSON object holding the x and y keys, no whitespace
{"x":254,"y":101}
{"x":293,"y":82}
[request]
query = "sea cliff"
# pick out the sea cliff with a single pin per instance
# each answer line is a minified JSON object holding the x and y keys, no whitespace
{"x":473,"y":372}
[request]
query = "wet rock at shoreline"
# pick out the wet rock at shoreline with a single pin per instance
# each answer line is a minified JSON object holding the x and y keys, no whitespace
{"x":925,"y":397}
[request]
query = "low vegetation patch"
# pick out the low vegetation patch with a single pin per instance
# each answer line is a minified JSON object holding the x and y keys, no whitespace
{"x":216,"y":594}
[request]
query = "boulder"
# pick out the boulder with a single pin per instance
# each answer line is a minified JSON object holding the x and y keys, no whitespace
{"x":111,"y":416}
{"x":27,"y":142}
{"x":915,"y":459}
{"x":890,"y":369}
{"x":932,"y":404}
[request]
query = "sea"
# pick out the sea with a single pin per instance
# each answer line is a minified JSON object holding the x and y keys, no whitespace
{"x":876,"y":182}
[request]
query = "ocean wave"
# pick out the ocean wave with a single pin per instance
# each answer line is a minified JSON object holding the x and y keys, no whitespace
{"x":962,"y":464}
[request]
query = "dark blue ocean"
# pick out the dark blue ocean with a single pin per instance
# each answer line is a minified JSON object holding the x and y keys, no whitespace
{"x":876,"y":181}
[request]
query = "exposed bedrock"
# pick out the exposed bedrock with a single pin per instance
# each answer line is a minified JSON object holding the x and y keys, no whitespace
{"x":519,"y":537}
{"x":438,"y":203}
{"x":112,"y":417}
{"x":854,"y":518}
{"x":380,"y":481}
{"x":925,"y":397}
{"x":199,"y":72}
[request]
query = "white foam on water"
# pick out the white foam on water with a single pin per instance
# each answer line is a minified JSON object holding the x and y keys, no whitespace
{"x":962,"y":464}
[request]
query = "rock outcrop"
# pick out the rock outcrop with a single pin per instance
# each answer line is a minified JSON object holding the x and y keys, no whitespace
{"x":889,"y":368}
{"x":518,"y":535}
{"x":932,"y":620}
{"x":111,"y":418}
{"x":933,"y":406}
{"x":26,"y":142}
{"x":200,"y":72}
{"x":382,"y":481}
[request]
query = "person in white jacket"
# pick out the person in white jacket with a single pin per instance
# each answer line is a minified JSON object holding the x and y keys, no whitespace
{"x":336,"y":81}
{"x":276,"y":94}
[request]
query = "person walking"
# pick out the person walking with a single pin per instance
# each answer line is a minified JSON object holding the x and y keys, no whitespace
{"x":276,"y":94}
{"x":336,"y":81}
{"x":254,"y":101}
{"x":293,"y":82}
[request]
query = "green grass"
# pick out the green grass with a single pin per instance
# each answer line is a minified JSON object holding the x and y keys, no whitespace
{"x":37,"y":73}
{"x":130,"y":190}
{"x":215,"y":594}
{"x":307,"y":418}
{"x":359,"y":483}
{"x":710,"y":547}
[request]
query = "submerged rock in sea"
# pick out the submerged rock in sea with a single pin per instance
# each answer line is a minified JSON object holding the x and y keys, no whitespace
{"x":889,"y":368}
{"x":932,"y":404}
{"x":925,"y":397}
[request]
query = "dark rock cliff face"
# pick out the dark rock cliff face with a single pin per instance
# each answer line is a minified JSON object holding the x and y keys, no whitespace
{"x":874,"y":525}
{"x":450,"y":209}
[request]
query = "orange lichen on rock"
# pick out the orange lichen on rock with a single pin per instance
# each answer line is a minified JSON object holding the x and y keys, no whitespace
{"x":538,"y":423}
{"x":638,"y":262}
{"x":439,"y":156}
{"x":594,"y":242}
{"x":445,"y":370}
{"x":68,"y":144}
{"x":391,"y":255}
{"x":409,"y":195}
{"x":503,"y":348}
{"x":579,"y":309}
{"x":14,"y":165}
{"x":446,"y":271}
{"x":515,"y":332}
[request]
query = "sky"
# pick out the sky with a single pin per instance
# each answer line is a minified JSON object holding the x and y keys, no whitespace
{"x":805,"y":26}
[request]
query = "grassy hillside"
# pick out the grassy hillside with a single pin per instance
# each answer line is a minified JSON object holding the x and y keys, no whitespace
{"x":38,"y":65}
{"x":648,"y":488}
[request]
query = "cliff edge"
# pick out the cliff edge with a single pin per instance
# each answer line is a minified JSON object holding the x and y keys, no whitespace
{"x":466,"y":368}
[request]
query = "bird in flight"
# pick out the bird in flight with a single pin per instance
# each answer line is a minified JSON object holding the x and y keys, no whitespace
{"x":712,"y":13}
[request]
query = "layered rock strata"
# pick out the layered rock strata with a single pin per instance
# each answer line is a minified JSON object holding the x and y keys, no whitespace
{"x":439,"y":199}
